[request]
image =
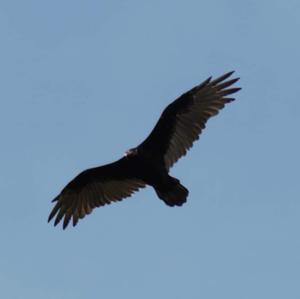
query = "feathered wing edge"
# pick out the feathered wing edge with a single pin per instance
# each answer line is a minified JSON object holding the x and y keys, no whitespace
{"x":78,"y":199}
{"x":183,"y":120}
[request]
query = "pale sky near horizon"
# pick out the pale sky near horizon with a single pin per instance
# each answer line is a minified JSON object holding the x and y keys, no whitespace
{"x":83,"y":81}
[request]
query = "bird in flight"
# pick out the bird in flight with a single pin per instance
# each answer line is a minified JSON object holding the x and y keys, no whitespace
{"x":178,"y":127}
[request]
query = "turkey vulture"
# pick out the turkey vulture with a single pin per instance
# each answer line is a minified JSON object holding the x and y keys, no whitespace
{"x":179,"y":126}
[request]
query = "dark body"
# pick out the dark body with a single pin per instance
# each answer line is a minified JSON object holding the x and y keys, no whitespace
{"x":151,"y":169}
{"x":179,"y":126}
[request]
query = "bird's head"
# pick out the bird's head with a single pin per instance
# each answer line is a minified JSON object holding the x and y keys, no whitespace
{"x":131,"y":152}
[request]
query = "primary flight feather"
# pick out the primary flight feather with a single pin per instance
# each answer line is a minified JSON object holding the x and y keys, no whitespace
{"x":149,"y":163}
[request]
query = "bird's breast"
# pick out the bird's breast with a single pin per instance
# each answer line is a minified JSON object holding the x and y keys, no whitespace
{"x":148,"y":169}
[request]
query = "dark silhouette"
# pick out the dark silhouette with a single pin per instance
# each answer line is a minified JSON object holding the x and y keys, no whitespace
{"x":179,"y":126}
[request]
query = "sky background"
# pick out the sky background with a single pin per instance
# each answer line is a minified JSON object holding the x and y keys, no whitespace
{"x":83,"y":81}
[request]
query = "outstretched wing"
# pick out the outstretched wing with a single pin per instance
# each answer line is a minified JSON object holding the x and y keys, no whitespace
{"x":182,"y":121}
{"x":93,"y":188}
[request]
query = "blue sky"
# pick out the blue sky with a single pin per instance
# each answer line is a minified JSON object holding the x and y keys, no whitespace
{"x":83,"y":81}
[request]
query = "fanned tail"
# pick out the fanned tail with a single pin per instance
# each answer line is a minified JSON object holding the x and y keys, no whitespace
{"x":176,"y":195}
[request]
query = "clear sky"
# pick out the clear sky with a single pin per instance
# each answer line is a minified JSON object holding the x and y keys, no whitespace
{"x":83,"y":81}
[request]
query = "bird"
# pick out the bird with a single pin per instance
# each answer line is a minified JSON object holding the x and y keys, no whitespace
{"x":178,"y":127}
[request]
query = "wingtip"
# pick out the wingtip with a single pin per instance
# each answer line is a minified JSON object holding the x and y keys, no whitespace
{"x":222,"y":78}
{"x":231,"y":73}
{"x":66,"y":221}
{"x":227,"y":75}
{"x":230,"y":90}
{"x":207,"y":81}
{"x":237,"y":89}
{"x":55,"y":199}
{"x":57,"y":220}
{"x":75,"y":221}
{"x":52,"y":214}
